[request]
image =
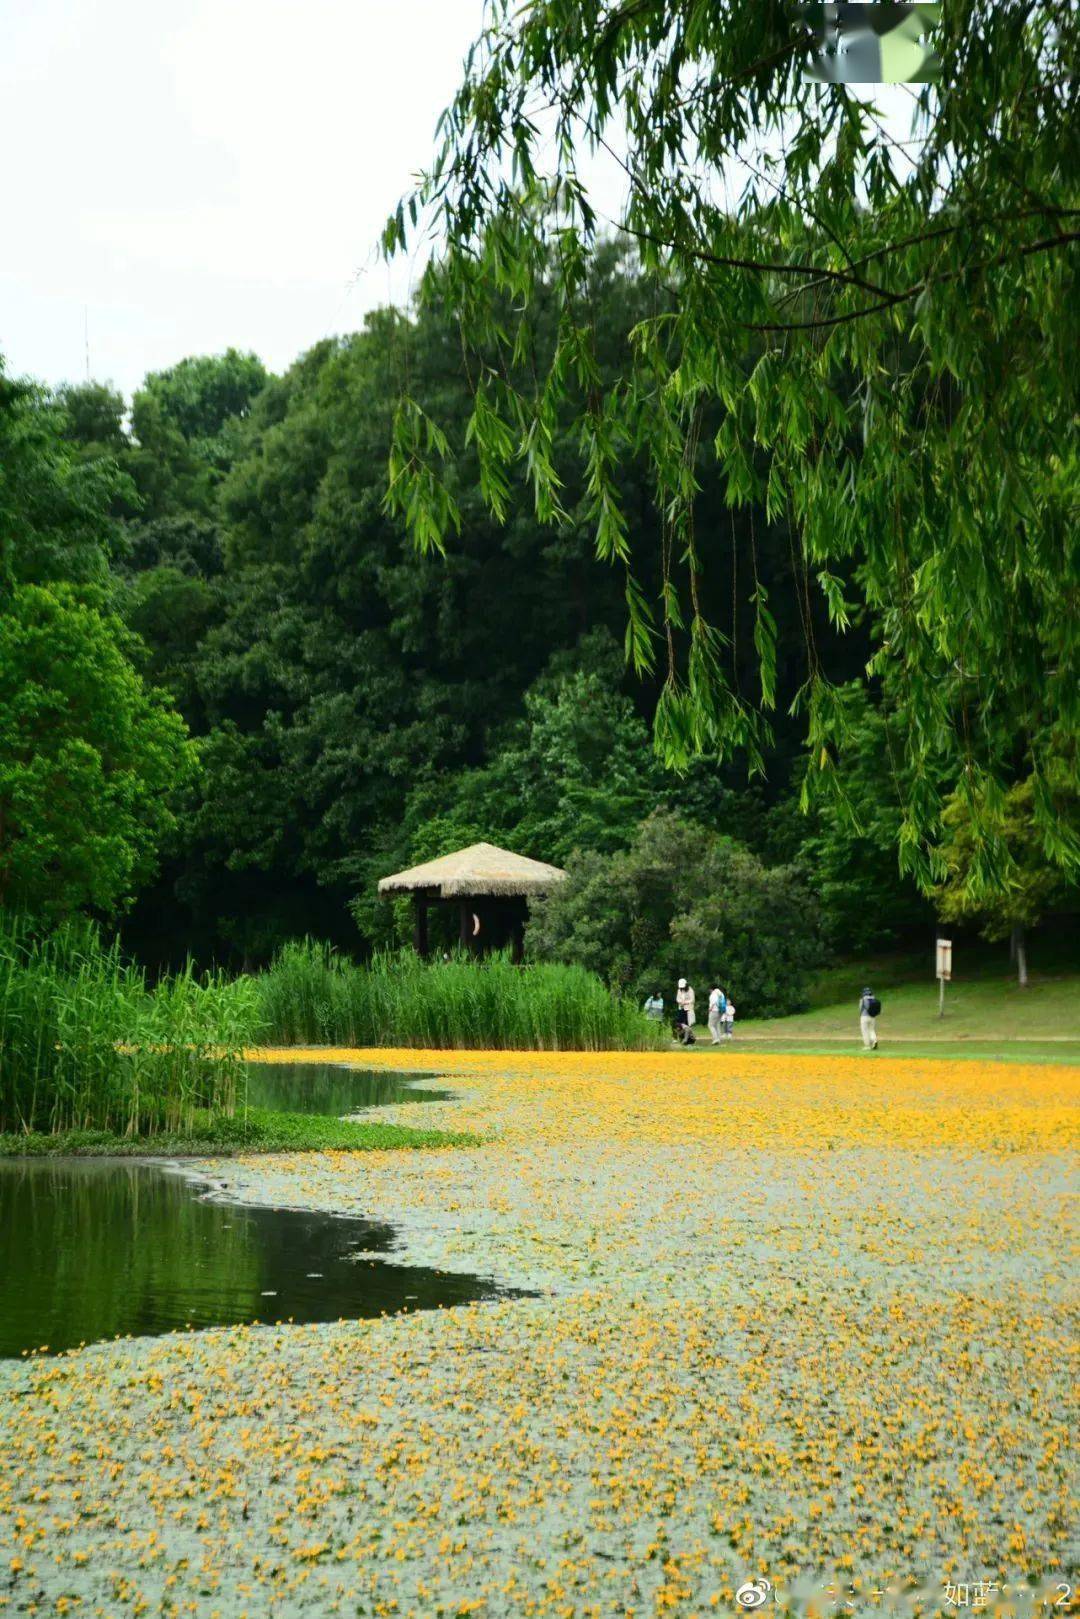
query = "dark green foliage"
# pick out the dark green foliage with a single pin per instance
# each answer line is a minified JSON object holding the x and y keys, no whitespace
{"x":171,"y":610}
{"x":682,"y":902}
{"x":360,"y":706}
{"x":55,"y":505}
{"x":340,"y":673}
{"x":849,"y":842}
{"x":199,"y":396}
{"x":185,"y":541}
{"x":311,"y":995}
{"x":577,"y":772}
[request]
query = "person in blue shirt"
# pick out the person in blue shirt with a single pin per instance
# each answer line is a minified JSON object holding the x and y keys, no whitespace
{"x":717,"y":1008}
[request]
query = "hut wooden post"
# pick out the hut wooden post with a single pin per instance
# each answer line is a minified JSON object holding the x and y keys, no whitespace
{"x":420,"y":928}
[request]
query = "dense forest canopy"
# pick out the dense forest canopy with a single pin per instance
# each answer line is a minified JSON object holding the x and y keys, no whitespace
{"x":867,"y":340}
{"x":355,"y":706}
{"x":269,"y":698}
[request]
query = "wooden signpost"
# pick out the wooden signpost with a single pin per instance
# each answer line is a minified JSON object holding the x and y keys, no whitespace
{"x":944,"y":971}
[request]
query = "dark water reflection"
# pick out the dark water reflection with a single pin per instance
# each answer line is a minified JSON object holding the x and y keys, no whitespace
{"x":94,"y":1248}
{"x":91,"y":1248}
{"x":323,"y":1087}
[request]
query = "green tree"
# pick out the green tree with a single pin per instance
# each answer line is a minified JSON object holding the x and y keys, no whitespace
{"x":575,"y":772}
{"x":683,"y":902}
{"x":1030,"y":886}
{"x":55,"y":506}
{"x":184,"y":540}
{"x":202,"y":394}
{"x":88,"y":756}
{"x":873,"y":338}
{"x":93,"y":417}
{"x":185,"y":426}
{"x":170,"y":611}
{"x":849,"y":844}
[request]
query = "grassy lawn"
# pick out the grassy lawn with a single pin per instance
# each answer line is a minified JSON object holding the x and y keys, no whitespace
{"x":1046,"y":1051}
{"x":260,"y":1131}
{"x":987,"y":1014}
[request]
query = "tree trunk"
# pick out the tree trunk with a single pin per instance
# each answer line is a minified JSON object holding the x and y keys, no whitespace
{"x":1018,"y":951}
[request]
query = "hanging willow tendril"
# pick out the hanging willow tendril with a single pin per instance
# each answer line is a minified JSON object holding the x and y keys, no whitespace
{"x":885,"y":330}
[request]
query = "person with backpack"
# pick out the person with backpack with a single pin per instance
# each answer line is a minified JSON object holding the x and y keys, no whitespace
{"x":717,"y":1008}
{"x":869,"y":1011}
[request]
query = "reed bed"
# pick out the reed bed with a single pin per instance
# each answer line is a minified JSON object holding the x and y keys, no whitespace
{"x":87,"y":1044}
{"x":310,"y":995}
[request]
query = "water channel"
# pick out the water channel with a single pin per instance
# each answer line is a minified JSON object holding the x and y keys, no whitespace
{"x":98,"y":1248}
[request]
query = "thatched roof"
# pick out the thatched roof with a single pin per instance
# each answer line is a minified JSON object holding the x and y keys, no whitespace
{"x":478,"y":870}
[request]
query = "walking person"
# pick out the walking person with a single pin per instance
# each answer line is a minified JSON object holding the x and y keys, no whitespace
{"x":729,"y":1017}
{"x":684,"y":1016}
{"x":717,"y":1009}
{"x":869,"y":1009}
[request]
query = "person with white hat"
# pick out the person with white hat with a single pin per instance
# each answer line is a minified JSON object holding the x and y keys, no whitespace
{"x":684,"y":1001}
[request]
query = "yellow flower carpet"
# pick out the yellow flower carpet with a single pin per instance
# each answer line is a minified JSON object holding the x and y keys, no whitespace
{"x":806,"y":1320}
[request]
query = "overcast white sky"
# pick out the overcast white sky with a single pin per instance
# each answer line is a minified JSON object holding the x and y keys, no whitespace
{"x":186,"y":175}
{"x":199,"y":173}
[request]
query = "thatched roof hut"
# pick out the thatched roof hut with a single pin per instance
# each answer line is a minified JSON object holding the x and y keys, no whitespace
{"x":492,"y":888}
{"x":481,"y":869}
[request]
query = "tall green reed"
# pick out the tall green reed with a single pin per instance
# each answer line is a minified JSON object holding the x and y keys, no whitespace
{"x":312,"y":995}
{"x":87,"y":1044}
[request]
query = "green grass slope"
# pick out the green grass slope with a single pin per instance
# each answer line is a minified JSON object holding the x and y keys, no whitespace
{"x":987,"y":1013}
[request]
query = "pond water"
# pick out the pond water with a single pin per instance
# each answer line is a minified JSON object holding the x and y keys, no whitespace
{"x":97,"y":1248}
{"x":323,"y":1087}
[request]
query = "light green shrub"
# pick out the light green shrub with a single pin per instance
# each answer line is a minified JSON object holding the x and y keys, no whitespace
{"x":312,"y":996}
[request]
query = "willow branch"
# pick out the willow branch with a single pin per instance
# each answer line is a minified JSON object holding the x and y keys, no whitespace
{"x":913,"y":291}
